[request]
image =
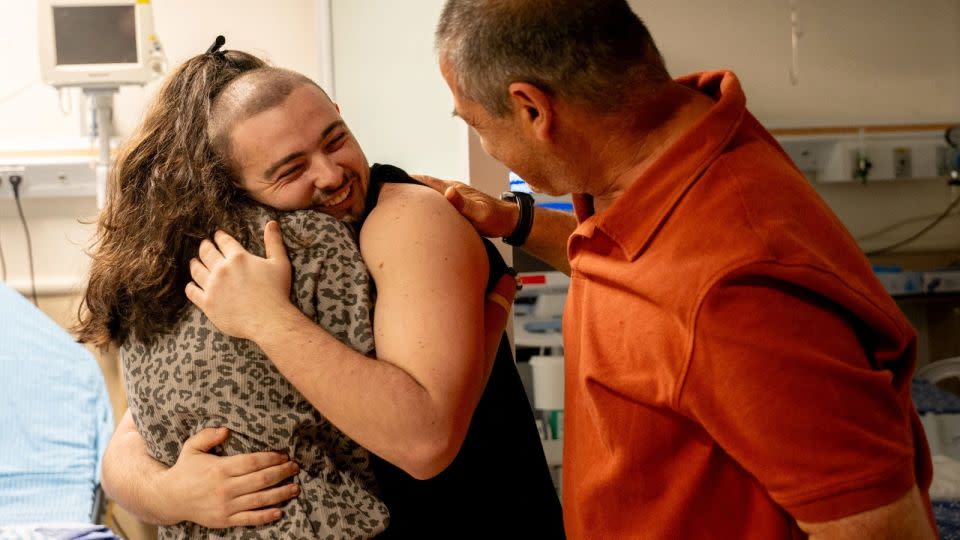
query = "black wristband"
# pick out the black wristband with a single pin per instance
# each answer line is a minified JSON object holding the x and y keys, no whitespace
{"x":525,"y":222}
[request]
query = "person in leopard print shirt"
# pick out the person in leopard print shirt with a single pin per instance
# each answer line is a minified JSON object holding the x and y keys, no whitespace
{"x":181,"y":373}
{"x":441,"y":408}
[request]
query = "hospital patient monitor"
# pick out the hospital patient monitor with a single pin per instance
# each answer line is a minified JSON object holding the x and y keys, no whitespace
{"x":97,"y":43}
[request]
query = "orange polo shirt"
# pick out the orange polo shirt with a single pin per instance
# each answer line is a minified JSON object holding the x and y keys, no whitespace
{"x":733,"y":365}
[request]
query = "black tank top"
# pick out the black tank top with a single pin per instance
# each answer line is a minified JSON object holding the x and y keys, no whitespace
{"x":499,"y":484}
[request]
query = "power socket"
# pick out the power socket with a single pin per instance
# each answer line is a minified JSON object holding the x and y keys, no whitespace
{"x":49,"y":178}
{"x":6,"y":187}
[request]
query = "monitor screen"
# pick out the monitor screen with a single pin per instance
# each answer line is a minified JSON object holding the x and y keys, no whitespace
{"x":517,"y":183}
{"x":95,"y":35}
{"x":562,"y":203}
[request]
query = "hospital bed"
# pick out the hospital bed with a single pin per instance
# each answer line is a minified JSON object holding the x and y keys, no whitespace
{"x":940,"y":413}
{"x":55,"y":421}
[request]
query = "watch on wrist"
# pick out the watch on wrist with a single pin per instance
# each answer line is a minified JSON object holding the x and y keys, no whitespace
{"x":524,"y":203}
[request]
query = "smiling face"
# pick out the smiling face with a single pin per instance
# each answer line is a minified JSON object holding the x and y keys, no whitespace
{"x":300,"y":154}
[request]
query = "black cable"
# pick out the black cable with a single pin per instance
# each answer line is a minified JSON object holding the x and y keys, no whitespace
{"x":15,"y":180}
{"x":921,"y":232}
{"x":897,"y":225}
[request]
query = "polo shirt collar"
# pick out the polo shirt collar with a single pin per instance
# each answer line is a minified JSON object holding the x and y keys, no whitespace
{"x":633,"y":218}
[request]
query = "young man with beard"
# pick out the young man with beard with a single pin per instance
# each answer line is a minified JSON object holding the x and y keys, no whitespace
{"x":461,"y":454}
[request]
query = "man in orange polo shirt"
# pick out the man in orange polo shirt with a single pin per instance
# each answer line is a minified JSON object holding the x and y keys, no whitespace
{"x":733,"y":368}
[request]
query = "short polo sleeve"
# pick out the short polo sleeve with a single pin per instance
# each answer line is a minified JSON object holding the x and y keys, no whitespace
{"x":781,"y":380}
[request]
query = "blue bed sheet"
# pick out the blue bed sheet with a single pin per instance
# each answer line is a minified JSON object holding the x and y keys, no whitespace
{"x":947,"y":514}
{"x":55,"y":418}
{"x":930,"y":398}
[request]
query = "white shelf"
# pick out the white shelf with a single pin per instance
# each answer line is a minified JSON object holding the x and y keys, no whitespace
{"x":54,"y":167}
{"x":44,"y":178}
{"x":869,"y":136}
{"x":895,"y":152}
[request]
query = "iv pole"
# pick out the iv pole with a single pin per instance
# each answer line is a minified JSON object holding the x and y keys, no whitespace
{"x":103,"y":105}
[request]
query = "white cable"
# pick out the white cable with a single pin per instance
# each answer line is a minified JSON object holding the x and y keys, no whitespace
{"x":795,"y":35}
{"x":17,"y":92}
{"x":3,"y":261}
{"x":60,"y":93}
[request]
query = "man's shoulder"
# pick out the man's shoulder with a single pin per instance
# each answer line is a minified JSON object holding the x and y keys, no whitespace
{"x":411,"y":204}
{"x":411,"y":213}
{"x":414,"y":232}
{"x":394,"y":195}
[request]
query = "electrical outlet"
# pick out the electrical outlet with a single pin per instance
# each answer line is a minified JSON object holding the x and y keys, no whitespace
{"x":6,"y":172}
{"x":809,"y":156}
{"x":50,"y":179}
{"x":902,"y":162}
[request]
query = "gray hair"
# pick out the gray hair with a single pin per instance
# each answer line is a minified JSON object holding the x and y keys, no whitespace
{"x":593,"y":52}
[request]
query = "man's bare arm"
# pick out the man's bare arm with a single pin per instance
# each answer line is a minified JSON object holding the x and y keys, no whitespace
{"x":129,"y":474}
{"x":212,"y":491}
{"x":903,"y":519}
{"x":494,"y":218}
{"x":414,"y":405}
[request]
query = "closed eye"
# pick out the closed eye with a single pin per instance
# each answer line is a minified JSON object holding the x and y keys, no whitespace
{"x":288,"y":174}
{"x":337,"y":142}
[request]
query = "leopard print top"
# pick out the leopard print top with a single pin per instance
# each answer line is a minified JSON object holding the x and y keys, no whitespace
{"x":195,"y":377}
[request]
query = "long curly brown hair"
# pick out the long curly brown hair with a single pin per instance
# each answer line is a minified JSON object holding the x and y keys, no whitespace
{"x":169,"y":189}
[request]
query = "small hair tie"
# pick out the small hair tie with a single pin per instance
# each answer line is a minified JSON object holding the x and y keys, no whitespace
{"x":214,"y":49}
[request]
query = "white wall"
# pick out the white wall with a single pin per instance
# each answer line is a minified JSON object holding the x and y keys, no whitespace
{"x":284,"y":32}
{"x":390,"y":89}
{"x":861,"y":61}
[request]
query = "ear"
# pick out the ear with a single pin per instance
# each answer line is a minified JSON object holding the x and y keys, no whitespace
{"x":337,"y":107}
{"x":533,"y":107}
